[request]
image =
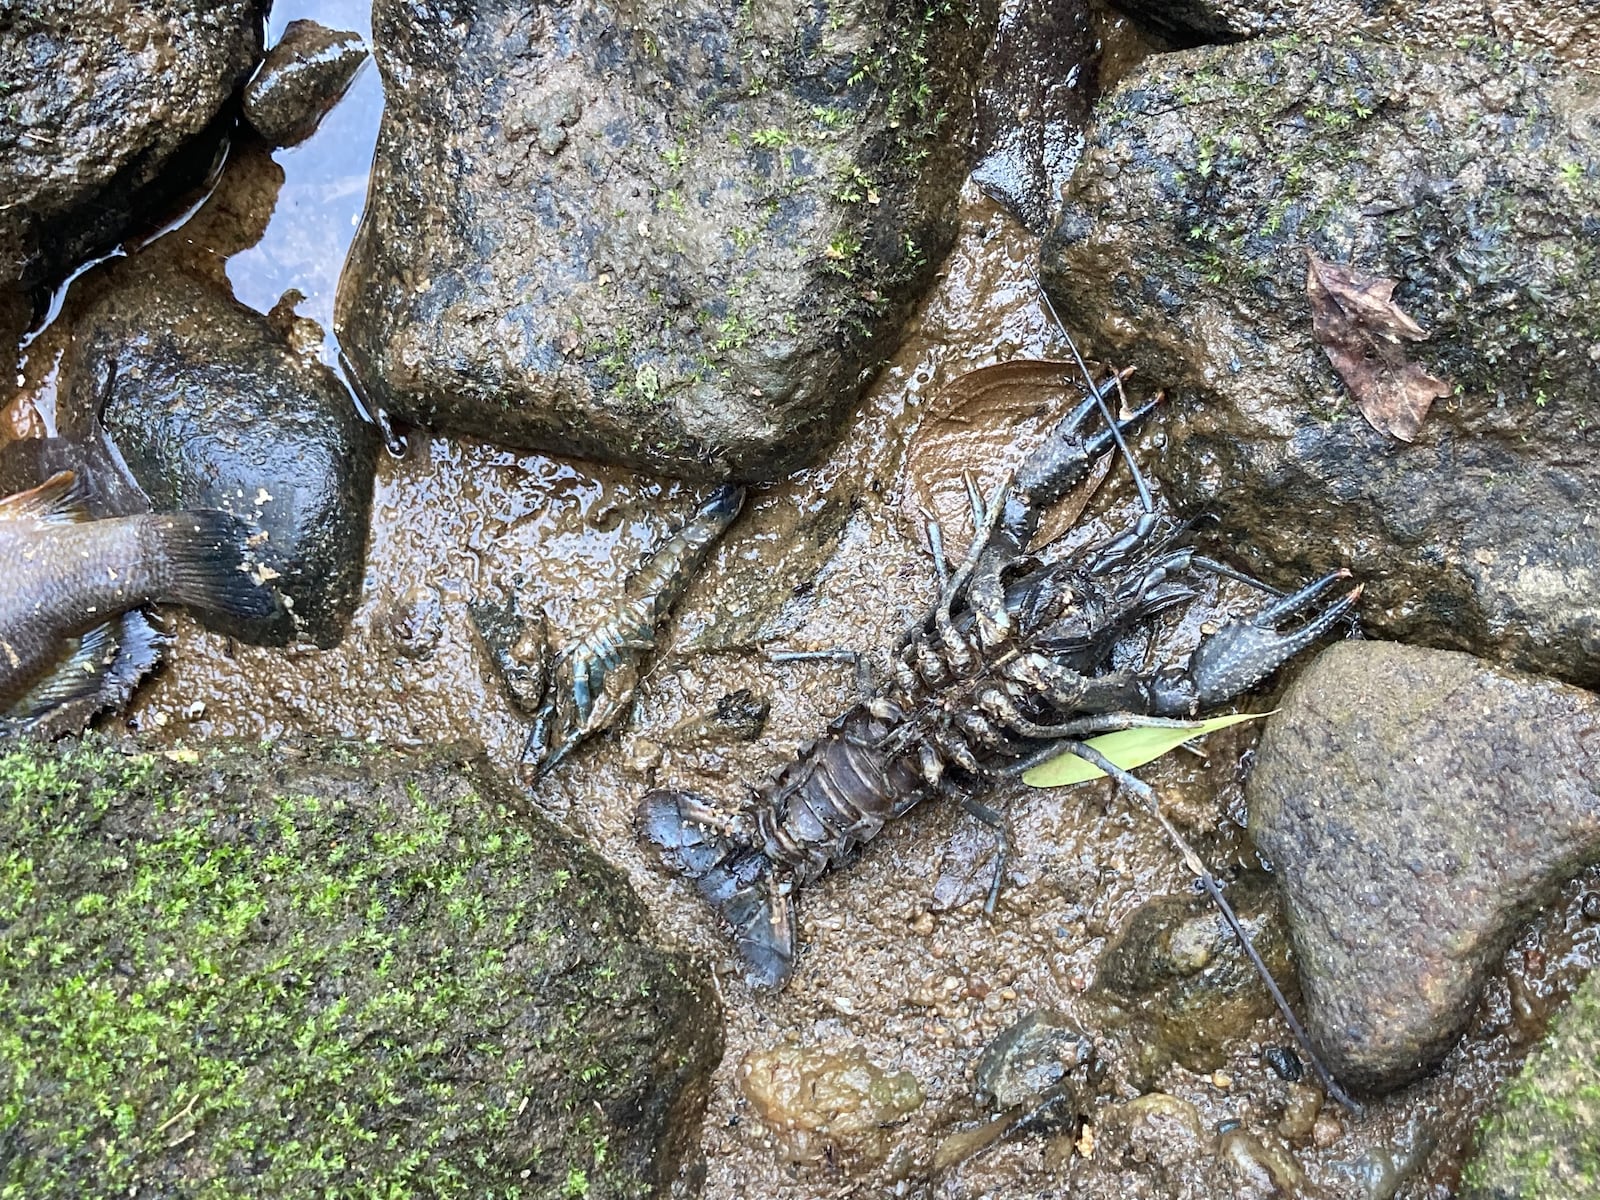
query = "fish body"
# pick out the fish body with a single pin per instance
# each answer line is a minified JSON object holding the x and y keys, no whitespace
{"x":67,"y":583}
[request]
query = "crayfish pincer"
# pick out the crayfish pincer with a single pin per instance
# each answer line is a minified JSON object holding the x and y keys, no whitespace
{"x":1013,"y":663}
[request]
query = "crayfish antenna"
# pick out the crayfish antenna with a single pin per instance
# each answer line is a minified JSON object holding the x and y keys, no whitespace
{"x":1146,"y":503}
{"x":1213,"y":889}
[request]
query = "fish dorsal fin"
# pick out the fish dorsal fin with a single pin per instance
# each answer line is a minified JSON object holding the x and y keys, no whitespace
{"x":57,"y":501}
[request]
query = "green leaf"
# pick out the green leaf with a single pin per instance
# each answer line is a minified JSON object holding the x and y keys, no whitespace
{"x":1127,"y":748}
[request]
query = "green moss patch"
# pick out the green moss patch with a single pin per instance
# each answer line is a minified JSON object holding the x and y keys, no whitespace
{"x":1543,"y":1142}
{"x":329,"y":972}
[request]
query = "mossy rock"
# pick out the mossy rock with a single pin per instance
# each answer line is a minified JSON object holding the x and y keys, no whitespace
{"x":678,"y":236}
{"x":1543,"y":1140}
{"x":331,"y":970}
{"x":1469,"y":175}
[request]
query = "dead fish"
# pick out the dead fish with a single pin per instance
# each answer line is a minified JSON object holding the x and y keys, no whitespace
{"x":69,"y":585}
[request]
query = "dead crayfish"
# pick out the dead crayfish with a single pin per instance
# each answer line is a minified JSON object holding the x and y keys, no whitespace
{"x":1012,"y":664}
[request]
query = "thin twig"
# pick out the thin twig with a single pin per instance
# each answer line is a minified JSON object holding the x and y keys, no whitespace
{"x":1213,"y":889}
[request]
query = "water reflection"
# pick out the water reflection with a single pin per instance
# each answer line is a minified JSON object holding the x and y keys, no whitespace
{"x":322,"y":191}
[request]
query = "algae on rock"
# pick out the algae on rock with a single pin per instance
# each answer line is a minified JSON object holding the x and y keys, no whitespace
{"x":1543,"y":1140}
{"x":1472,"y":178}
{"x":331,"y":970}
{"x":675,"y":236}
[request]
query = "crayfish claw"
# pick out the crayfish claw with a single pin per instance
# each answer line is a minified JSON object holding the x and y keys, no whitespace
{"x":1288,"y":605}
{"x":1243,"y":653}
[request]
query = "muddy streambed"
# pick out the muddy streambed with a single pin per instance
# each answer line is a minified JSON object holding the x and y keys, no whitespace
{"x":901,"y":968}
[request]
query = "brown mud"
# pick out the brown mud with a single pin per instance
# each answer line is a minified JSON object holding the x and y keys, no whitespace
{"x":901,"y":969}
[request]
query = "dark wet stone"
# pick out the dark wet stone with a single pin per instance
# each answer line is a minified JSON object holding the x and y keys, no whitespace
{"x":1034,"y":104}
{"x":1471,"y":178}
{"x":1567,"y":26}
{"x":1040,"y":1054}
{"x":210,"y":408}
{"x":1285,"y":1063}
{"x":1543,"y":1139}
{"x":1379,"y":1172}
{"x":680,"y":242}
{"x":1177,"y":979}
{"x":102,"y":100}
{"x":301,"y":78}
{"x":1418,"y":806}
{"x":329,"y":969}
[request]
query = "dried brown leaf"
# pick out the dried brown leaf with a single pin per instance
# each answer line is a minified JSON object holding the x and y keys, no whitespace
{"x":1355,"y":320}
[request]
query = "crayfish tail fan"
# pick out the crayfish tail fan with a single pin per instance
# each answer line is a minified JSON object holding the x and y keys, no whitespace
{"x":733,"y":877}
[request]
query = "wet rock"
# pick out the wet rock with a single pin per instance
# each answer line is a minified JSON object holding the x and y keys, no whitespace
{"x":1418,"y":806}
{"x":1034,"y":1057}
{"x":1177,"y":979}
{"x":356,"y":971}
{"x":1379,"y":1173}
{"x":1034,"y":105}
{"x":101,"y":101}
{"x":1472,"y":178}
{"x":820,"y":1104}
{"x":1259,"y":1166}
{"x":1541,"y":1138}
{"x":1285,"y":1063}
{"x":679,"y":241}
{"x":1565,"y":26}
{"x":301,"y":78}
{"x":1043,"y":1076}
{"x":211,"y":409}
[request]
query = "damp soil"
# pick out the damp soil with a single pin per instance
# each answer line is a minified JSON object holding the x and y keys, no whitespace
{"x":901,"y":967}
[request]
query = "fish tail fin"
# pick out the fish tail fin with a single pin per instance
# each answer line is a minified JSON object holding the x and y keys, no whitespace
{"x":207,"y":564}
{"x":100,"y":672}
{"x":59,"y":499}
{"x":734,"y":878}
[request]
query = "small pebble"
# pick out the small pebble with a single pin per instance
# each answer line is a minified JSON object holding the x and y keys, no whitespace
{"x":1284,"y":1062}
{"x":1326,"y":1130}
{"x":1301,"y":1112}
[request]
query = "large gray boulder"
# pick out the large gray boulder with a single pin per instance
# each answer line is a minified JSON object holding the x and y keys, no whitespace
{"x":1418,"y":806}
{"x":677,"y":236}
{"x":327,"y":970}
{"x":99,"y":100}
{"x":1472,"y":178}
